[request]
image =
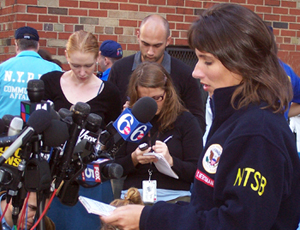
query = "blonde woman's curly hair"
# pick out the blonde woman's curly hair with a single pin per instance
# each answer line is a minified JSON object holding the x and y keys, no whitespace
{"x":132,"y":196}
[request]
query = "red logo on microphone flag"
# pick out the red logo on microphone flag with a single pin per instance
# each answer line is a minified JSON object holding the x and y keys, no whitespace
{"x":127,"y":130}
{"x":97,"y":173}
{"x":140,"y":136}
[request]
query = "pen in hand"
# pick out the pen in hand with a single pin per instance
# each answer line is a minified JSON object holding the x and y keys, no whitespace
{"x":167,"y":139}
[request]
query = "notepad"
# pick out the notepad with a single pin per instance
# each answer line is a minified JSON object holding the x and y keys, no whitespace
{"x":162,"y":165}
{"x":96,"y":207}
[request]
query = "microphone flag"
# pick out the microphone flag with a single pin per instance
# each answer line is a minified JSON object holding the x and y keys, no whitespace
{"x":130,"y":128}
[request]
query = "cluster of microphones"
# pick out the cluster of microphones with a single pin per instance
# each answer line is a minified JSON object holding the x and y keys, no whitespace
{"x":44,"y":150}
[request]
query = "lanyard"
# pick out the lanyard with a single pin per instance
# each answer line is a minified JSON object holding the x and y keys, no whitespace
{"x":151,"y":141}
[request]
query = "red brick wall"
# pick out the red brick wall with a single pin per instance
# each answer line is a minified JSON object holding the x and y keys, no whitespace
{"x":55,"y":20}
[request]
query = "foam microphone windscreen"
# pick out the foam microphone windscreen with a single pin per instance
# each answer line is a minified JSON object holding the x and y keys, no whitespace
{"x":35,"y":85}
{"x":56,"y":134}
{"x":63,"y":113}
{"x":144,"y":109}
{"x":7,"y":118}
{"x":39,"y":120}
{"x":112,"y":171}
{"x":54,"y":114}
{"x":35,"y":90}
{"x":81,"y":108}
{"x":93,"y":122}
{"x":80,"y":112}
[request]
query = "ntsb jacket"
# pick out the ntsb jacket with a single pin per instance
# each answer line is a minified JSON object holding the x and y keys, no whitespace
{"x":248,"y":175}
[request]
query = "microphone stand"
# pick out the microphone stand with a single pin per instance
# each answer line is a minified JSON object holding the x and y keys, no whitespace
{"x":41,"y":200}
{"x":40,"y":196}
{"x":79,"y":116}
{"x":17,"y":190}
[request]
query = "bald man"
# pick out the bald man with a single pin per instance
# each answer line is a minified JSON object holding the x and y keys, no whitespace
{"x":153,"y":37}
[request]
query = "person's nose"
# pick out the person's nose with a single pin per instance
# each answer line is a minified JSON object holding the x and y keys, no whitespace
{"x":31,"y":214}
{"x":198,"y":73}
{"x":151,"y":51}
{"x":82,"y":71}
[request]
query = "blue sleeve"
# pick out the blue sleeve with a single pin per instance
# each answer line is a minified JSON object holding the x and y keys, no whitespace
{"x":295,"y":81}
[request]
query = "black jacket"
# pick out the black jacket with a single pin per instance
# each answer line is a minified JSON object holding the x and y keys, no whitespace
{"x":247,"y":178}
{"x":181,"y":74}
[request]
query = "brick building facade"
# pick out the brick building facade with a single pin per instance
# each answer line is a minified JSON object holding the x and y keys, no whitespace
{"x":118,"y":20}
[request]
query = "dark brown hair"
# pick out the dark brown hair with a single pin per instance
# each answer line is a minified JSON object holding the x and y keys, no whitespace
{"x":242,"y":42}
{"x":154,"y":75}
{"x":25,"y":44}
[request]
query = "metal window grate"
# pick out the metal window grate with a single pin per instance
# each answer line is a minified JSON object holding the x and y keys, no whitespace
{"x":183,"y":53}
{"x":188,"y":56}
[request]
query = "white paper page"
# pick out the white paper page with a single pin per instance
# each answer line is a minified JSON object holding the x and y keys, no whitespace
{"x":162,"y":165}
{"x":96,"y":207}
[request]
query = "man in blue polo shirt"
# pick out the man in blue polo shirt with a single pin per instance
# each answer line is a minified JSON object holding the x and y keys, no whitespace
{"x":17,"y":71}
{"x":110,"y":52}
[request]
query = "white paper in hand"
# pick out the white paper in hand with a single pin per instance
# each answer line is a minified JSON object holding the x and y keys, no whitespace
{"x":162,"y":165}
{"x":96,"y":207}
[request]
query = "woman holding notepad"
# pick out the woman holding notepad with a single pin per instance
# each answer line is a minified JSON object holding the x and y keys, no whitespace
{"x":174,"y":140}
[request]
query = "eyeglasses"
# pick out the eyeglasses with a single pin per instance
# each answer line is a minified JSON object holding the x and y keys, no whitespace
{"x":159,"y":98}
{"x":87,"y":66}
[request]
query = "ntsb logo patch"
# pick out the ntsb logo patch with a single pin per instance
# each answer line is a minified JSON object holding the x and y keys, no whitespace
{"x":211,"y":158}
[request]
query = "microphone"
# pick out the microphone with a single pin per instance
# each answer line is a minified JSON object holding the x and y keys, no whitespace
{"x":53,"y":137}
{"x":54,"y":114}
{"x":80,"y":113}
{"x":111,"y":171}
{"x":15,"y":127}
{"x":7,"y":118}
{"x":66,"y":116}
{"x":63,"y":113}
{"x":2,"y":126}
{"x":134,"y":124}
{"x":100,"y":171}
{"x":131,"y":125}
{"x":56,"y":134}
{"x":92,"y":128}
{"x":35,"y":91}
{"x":93,"y":122}
{"x":7,"y":140}
{"x":96,"y":170}
{"x":37,"y":123}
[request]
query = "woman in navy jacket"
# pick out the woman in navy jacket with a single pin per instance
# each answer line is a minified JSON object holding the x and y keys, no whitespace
{"x":248,"y":173}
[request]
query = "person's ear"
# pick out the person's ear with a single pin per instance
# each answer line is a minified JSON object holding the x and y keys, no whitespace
{"x":106,"y":61}
{"x":138,"y":35}
{"x":98,"y":58}
{"x":67,"y":56}
{"x":16,"y":47}
{"x":169,"y":40}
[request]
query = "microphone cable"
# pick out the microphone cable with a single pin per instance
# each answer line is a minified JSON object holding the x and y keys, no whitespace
{"x":4,"y":212}
{"x":45,"y":210}
{"x":23,"y":212}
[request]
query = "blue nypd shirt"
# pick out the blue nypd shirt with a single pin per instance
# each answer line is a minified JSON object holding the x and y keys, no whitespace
{"x":14,"y":76}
